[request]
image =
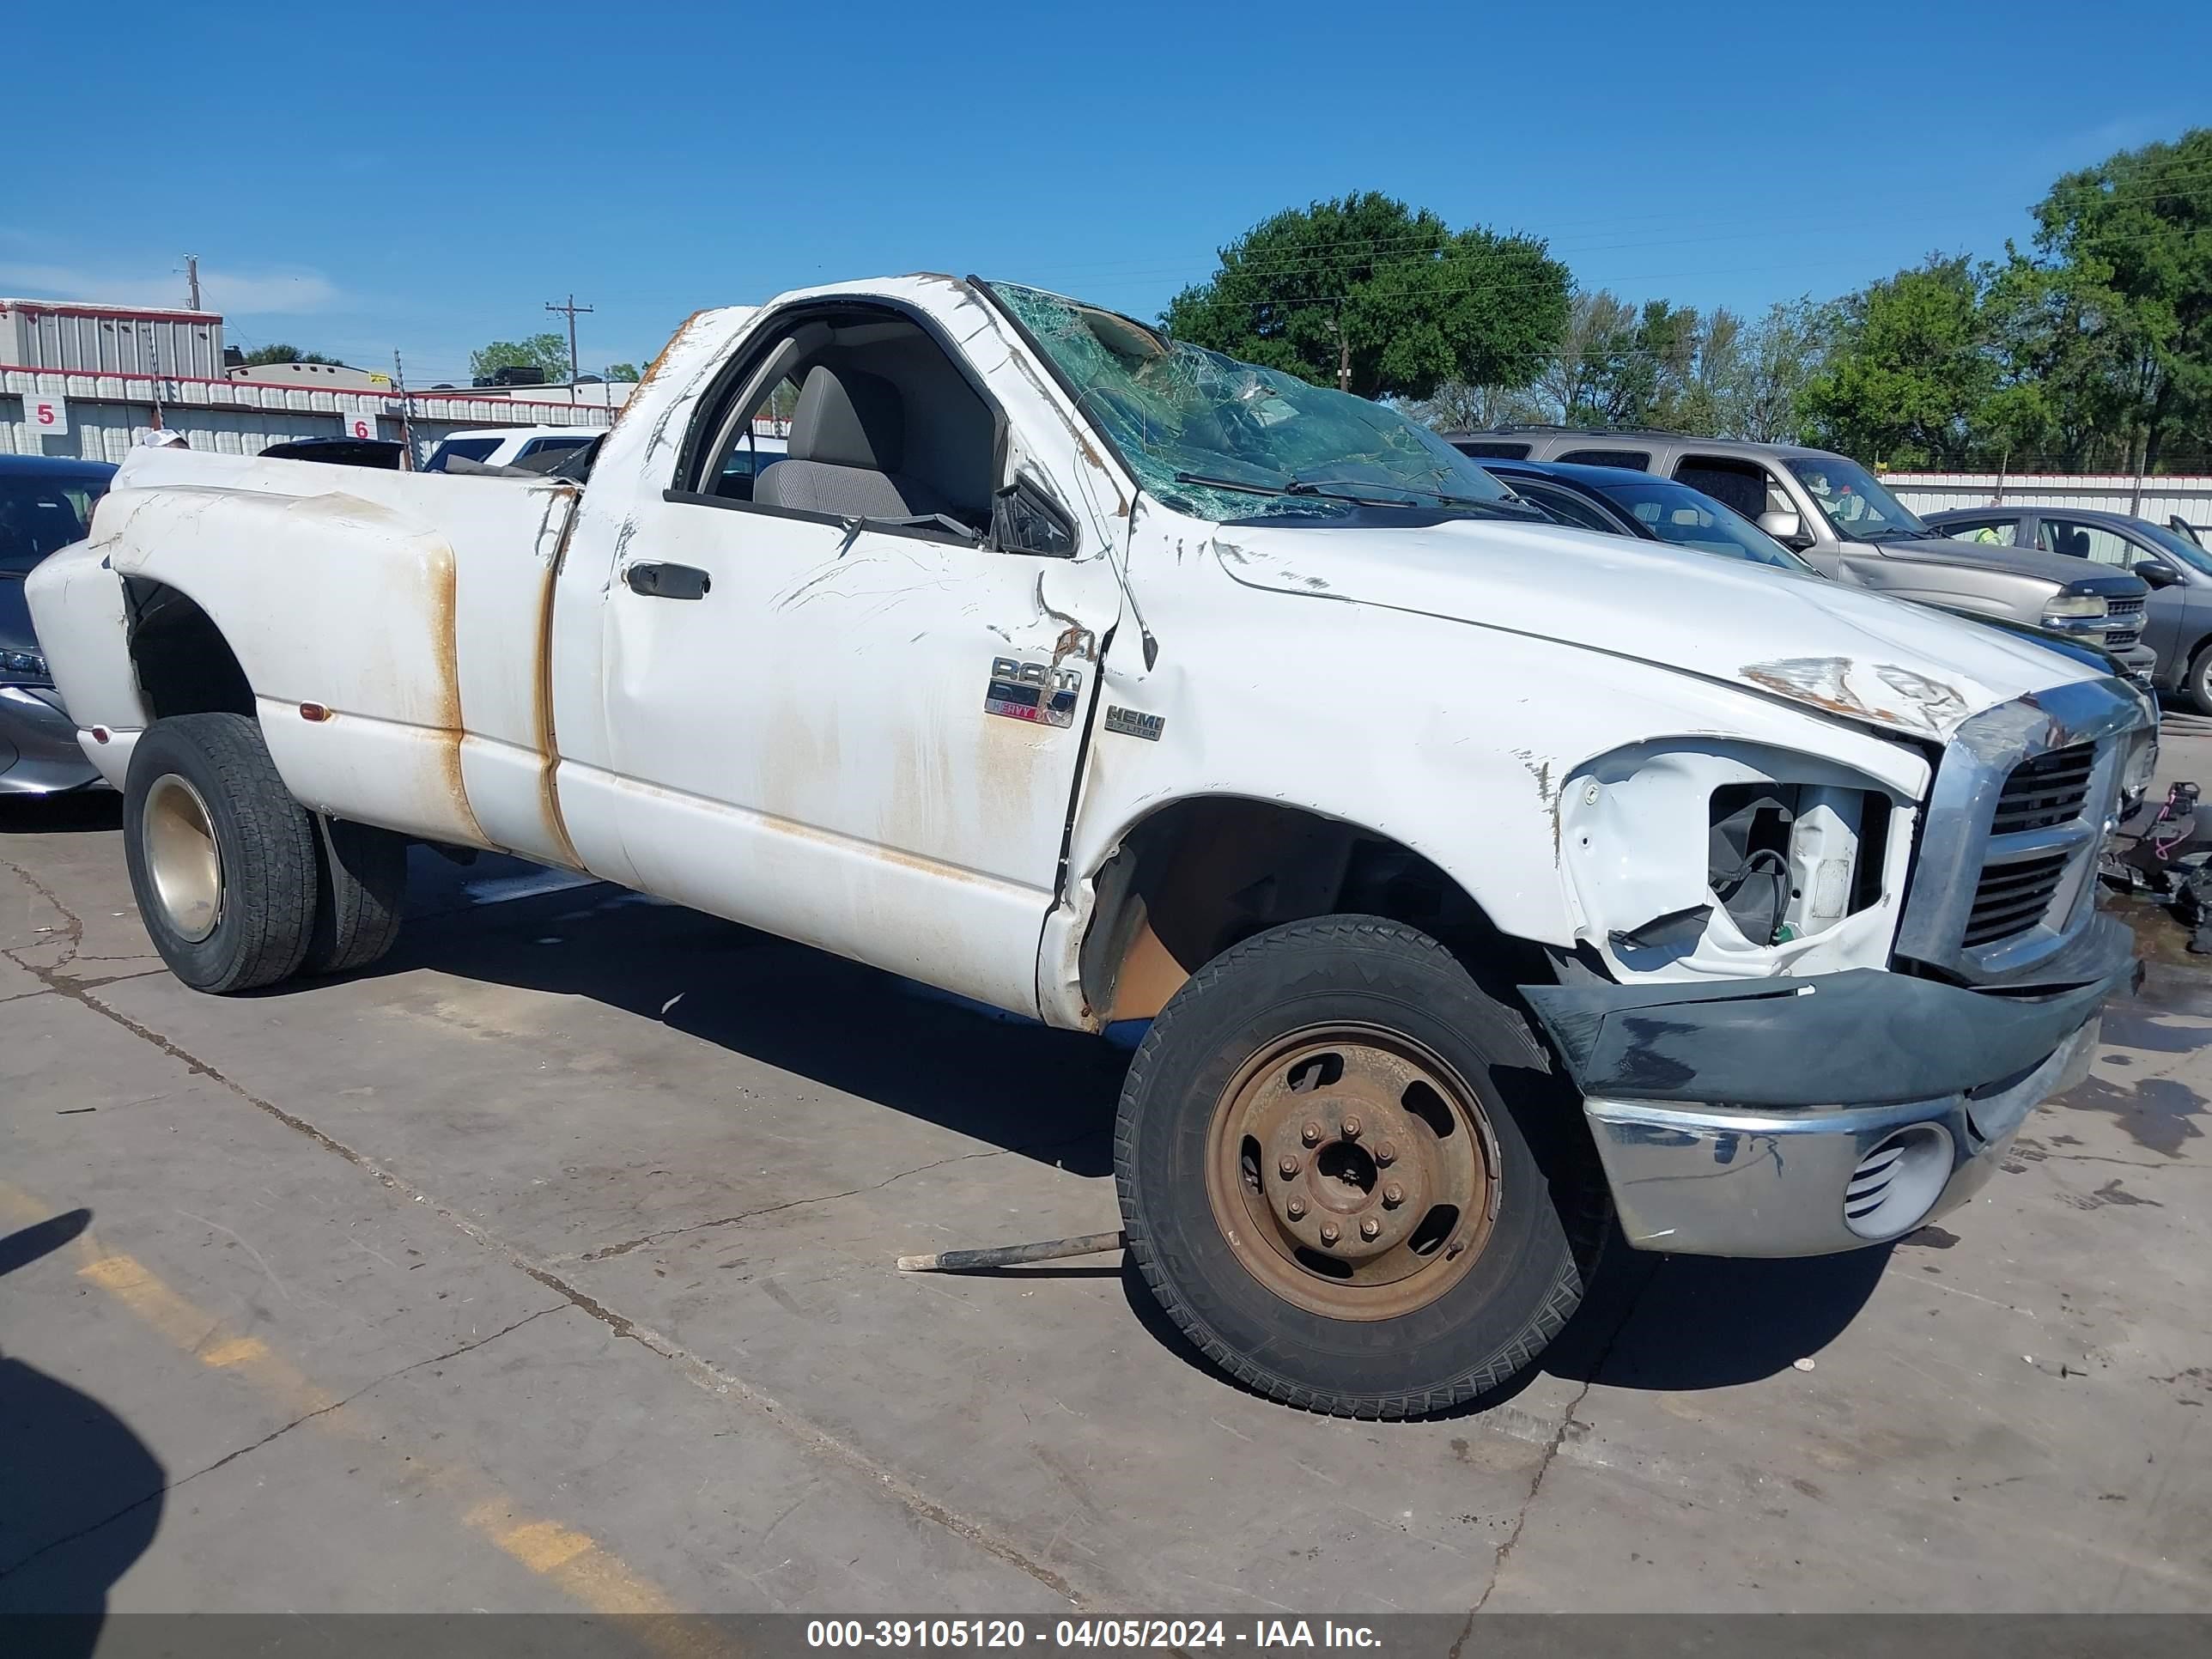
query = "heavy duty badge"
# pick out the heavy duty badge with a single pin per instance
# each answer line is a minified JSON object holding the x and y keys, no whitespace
{"x":1134,"y":723}
{"x":1032,"y":691}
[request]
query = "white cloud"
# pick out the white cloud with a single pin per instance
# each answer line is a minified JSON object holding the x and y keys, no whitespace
{"x":268,"y":294}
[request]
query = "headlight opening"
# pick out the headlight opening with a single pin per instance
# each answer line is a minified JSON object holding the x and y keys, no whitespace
{"x":1790,"y":860}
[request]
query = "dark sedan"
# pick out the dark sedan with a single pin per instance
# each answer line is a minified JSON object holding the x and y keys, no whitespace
{"x":2178,"y":571}
{"x":45,"y":503}
{"x":1620,"y":502}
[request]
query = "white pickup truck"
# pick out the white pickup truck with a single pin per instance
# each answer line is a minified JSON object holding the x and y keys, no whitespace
{"x":1479,"y":876}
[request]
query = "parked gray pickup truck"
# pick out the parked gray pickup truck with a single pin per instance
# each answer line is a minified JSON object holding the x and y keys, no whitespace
{"x":1838,"y":515}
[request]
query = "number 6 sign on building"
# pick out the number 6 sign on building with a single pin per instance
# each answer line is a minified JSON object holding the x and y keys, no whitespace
{"x":46,"y":414}
{"x":360,"y":426}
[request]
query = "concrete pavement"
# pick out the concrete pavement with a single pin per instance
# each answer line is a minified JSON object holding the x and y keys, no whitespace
{"x":547,"y":1266}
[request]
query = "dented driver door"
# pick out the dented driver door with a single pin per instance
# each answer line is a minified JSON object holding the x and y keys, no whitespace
{"x":866,"y":739}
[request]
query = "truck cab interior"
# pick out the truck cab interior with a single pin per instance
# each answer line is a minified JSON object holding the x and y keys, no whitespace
{"x":883,"y":424}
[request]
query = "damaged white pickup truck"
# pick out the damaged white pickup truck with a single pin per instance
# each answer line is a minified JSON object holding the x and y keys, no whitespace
{"x":1478,"y":876}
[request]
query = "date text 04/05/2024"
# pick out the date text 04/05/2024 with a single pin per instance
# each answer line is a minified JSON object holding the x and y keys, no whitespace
{"x":1167,"y":1634}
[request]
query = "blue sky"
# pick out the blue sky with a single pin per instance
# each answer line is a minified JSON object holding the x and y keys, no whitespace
{"x":357,"y":179}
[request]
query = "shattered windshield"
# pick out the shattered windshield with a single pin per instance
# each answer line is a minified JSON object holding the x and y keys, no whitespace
{"x":1228,"y":439}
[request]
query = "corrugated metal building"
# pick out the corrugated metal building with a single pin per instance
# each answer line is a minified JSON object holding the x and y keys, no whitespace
{"x":105,"y":376}
{"x":61,"y":334}
{"x":2158,"y":498}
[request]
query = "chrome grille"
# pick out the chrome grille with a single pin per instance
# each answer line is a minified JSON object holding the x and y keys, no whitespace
{"x":2010,"y":898}
{"x":2047,"y":790}
{"x":2126,"y":617}
{"x":2005,"y":873}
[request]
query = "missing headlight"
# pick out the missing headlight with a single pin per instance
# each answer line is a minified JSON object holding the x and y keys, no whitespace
{"x":1749,"y":863}
{"x":1787,"y":861}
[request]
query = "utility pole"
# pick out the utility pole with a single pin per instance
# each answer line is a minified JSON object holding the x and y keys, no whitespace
{"x":406,"y":414}
{"x":572,"y":308}
{"x":192,"y":278}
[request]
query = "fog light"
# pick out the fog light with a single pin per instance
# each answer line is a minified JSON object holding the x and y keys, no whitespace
{"x":1899,"y":1181}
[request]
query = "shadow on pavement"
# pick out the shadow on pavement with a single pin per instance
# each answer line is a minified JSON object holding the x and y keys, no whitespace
{"x":1655,"y":1322}
{"x":1673,"y":1323}
{"x":79,"y":809}
{"x":974,"y":1070}
{"x":84,"y":1493}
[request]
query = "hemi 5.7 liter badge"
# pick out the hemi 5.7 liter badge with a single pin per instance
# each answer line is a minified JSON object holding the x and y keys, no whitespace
{"x":1032,"y":691}
{"x":1134,"y":722}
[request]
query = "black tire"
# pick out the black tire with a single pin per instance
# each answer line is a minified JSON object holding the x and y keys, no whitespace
{"x":1552,"y":1208}
{"x":265,"y":841}
{"x":361,"y":889}
{"x":2196,"y":684}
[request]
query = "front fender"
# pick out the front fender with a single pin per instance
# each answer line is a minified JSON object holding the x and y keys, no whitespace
{"x":1455,"y":741}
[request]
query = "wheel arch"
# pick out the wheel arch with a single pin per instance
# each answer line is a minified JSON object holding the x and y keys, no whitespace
{"x":183,"y":662}
{"x":1193,"y":877}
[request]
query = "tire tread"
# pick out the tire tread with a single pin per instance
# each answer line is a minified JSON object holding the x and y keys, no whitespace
{"x":362,"y":888}
{"x":274,"y":908}
{"x":1586,"y":1226}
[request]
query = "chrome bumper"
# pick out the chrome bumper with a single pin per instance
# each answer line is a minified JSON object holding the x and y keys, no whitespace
{"x":39,"y":752}
{"x":1710,"y":1180}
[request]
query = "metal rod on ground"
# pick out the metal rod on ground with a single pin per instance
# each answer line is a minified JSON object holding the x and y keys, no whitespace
{"x":1010,"y":1256}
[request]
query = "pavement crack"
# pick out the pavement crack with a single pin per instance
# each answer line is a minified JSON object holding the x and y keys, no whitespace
{"x":609,"y":1252}
{"x":700,"y":1372}
{"x":1551,"y":1453}
{"x":72,"y":935}
{"x":228,"y":1458}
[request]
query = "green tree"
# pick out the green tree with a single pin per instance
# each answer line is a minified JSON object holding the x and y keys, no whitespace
{"x":1779,"y":356}
{"x":1911,"y":371}
{"x":1620,"y":364}
{"x":548,"y":351}
{"x":623,"y":372}
{"x":1367,"y":294}
{"x":285,"y":353}
{"x":2126,"y":249}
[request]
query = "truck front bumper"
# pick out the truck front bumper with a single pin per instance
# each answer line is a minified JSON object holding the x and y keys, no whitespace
{"x":1799,"y":1117}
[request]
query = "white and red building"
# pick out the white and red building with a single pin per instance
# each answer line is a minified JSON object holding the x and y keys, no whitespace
{"x":90,"y":381}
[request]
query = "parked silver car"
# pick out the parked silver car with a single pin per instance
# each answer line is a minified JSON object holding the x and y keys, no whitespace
{"x":1839,"y":516}
{"x":45,"y":503}
{"x":2176,"y":568}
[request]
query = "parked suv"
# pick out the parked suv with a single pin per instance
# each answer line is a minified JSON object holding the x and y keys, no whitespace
{"x":1838,"y":515}
{"x":2177,"y":571}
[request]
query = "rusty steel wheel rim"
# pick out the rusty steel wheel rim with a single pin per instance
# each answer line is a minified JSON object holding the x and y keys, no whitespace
{"x":1352,"y":1171}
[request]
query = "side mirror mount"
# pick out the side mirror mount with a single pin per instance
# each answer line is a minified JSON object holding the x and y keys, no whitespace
{"x":1786,"y":528}
{"x":2156,"y":573}
{"x":1025,"y":519}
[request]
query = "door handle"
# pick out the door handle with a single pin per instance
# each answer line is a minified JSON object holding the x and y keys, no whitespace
{"x":668,"y":581}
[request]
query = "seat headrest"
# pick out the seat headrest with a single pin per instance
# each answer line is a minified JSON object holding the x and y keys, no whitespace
{"x":848,"y":418}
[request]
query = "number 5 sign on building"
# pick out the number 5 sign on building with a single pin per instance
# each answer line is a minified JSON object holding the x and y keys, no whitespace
{"x":46,"y":414}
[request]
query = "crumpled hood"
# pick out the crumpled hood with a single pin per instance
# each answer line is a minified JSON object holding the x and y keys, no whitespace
{"x":1884,"y":662}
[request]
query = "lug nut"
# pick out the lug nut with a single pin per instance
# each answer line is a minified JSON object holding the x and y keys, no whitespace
{"x":1351,"y":1128}
{"x":1386,"y":1152}
{"x":1297,"y":1207}
{"x":1369,"y":1228}
{"x":1393,"y":1196}
{"x":1311,"y":1134}
{"x":1288,"y":1167}
{"x":1328,"y":1233}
